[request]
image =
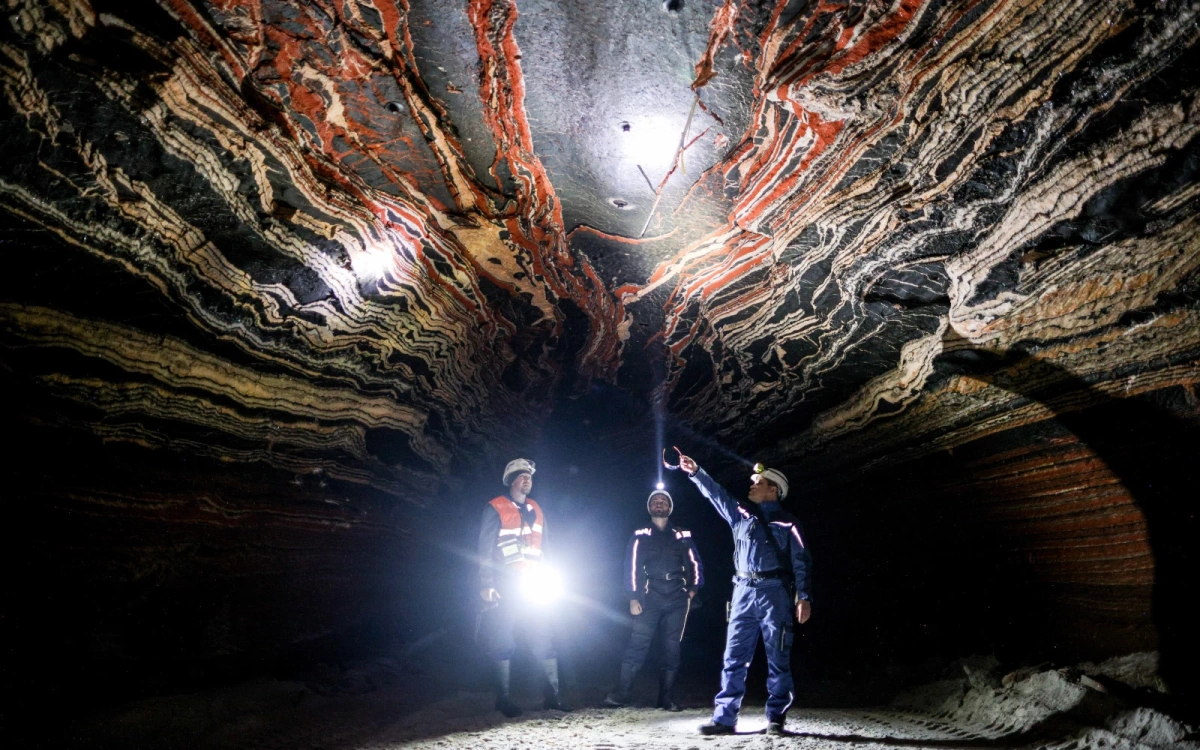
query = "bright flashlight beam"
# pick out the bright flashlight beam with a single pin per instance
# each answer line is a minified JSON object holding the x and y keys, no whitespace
{"x":651,"y":141}
{"x":600,"y":609}
{"x":660,"y":486}
{"x":659,"y":436}
{"x":541,"y":585}
{"x":371,"y":265}
{"x":658,"y":433}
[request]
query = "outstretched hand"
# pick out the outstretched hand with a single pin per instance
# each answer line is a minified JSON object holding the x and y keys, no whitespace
{"x":687,"y":464}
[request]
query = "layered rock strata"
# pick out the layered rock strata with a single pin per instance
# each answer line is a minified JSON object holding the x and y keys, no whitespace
{"x":372,"y":242}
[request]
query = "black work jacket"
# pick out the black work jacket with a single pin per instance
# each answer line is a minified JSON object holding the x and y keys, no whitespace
{"x":662,"y":563}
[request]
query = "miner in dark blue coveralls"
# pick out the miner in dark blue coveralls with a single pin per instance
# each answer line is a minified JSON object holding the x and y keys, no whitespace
{"x":771,"y":586}
{"x":662,"y":574}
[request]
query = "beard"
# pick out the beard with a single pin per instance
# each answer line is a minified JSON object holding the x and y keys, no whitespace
{"x":660,"y":513}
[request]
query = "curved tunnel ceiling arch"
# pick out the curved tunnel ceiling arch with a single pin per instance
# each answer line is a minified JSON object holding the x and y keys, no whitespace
{"x":371,"y":238}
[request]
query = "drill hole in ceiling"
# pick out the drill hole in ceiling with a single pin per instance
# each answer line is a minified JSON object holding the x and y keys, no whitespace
{"x":625,"y":127}
{"x":620,"y":204}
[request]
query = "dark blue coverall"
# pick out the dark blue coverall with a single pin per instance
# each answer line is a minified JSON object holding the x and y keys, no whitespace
{"x":662,"y":567}
{"x":761,"y":602}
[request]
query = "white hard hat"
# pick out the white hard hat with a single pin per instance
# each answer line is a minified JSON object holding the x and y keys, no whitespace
{"x":516,"y":466}
{"x":667,"y":495}
{"x":774,"y":476}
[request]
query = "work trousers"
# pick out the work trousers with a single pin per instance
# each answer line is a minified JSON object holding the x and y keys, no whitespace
{"x":512,"y":622}
{"x":669,"y":617}
{"x":758,"y":607}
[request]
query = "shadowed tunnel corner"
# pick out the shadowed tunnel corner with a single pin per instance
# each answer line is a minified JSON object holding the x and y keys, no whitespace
{"x":1152,"y":450}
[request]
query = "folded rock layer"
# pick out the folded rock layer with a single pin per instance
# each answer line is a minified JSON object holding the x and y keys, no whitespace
{"x":324,"y":259}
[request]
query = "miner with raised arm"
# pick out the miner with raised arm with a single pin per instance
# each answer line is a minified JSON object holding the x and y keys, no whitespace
{"x":662,"y":573}
{"x":771,"y":590}
{"x":510,"y":541}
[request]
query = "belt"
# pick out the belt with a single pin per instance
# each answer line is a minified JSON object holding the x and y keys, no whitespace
{"x":760,"y":575}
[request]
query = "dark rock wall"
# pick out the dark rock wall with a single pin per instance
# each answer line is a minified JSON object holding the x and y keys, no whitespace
{"x":1069,"y":538}
{"x":259,"y":310}
{"x":283,"y":275}
{"x":132,"y":571}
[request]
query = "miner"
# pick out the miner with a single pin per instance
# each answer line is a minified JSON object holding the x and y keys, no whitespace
{"x":662,"y":574}
{"x":510,"y":545}
{"x":770,"y":589}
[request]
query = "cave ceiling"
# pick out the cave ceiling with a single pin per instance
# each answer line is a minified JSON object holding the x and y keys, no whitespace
{"x":377,"y":238}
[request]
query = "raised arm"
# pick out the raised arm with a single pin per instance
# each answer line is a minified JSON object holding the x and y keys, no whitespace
{"x":716,"y":494}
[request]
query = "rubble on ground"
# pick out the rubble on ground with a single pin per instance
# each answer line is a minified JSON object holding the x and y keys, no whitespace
{"x":1069,"y":705}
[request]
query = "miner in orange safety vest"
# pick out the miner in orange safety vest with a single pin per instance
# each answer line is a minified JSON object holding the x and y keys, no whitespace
{"x":510,"y":542}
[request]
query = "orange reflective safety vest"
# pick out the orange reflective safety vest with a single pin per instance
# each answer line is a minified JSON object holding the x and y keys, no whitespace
{"x":518,"y":543}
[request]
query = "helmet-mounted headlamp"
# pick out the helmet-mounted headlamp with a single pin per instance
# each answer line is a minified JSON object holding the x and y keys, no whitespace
{"x":774,"y":476}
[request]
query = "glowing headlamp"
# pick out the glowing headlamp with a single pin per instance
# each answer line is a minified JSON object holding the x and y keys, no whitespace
{"x":759,"y":468}
{"x":774,"y":476}
{"x":539,"y":584}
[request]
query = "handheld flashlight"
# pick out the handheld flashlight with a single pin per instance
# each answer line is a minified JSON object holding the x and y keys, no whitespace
{"x":540,"y":585}
{"x":669,"y":465}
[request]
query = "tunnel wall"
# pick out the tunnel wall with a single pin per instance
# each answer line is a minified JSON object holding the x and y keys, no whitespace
{"x":135,"y":572}
{"x":246,"y":246}
{"x":1032,"y":543}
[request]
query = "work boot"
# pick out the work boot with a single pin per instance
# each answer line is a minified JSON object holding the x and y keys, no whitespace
{"x":775,"y":729}
{"x":504,"y":704}
{"x":553,"y":701}
{"x":622,"y":693}
{"x":666,"y":689}
{"x":713,"y":727}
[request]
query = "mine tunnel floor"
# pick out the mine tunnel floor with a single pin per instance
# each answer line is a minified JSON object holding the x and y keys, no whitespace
{"x":468,"y":721}
{"x":1044,"y":708}
{"x":648,"y":727}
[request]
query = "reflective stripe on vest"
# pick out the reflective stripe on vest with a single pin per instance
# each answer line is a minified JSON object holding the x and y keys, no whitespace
{"x":517,"y":542}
